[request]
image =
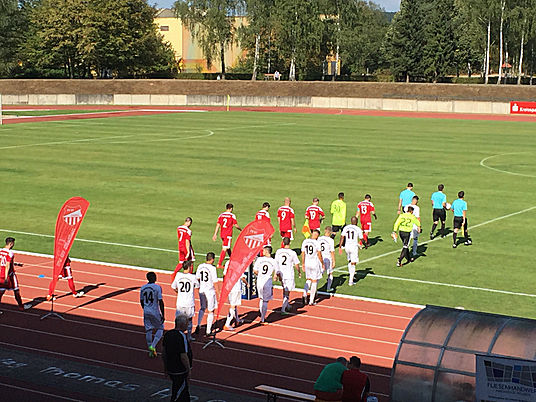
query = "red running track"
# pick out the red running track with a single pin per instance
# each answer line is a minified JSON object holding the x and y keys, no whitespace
{"x":105,"y":327}
{"x":104,"y":111}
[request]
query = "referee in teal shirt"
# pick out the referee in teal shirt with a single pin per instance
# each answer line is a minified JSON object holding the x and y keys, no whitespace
{"x":439,"y":201}
{"x":459,"y":207}
{"x":405,"y":198}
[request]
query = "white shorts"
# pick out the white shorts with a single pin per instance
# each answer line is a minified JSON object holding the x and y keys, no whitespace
{"x":265,"y":290}
{"x":314,"y":273}
{"x":151,"y":321}
{"x":289,"y":285}
{"x":187,"y":311}
{"x":235,"y":298}
{"x":327,"y":265}
{"x":208,"y":301}
{"x":352,"y":254}
{"x":226,"y":242}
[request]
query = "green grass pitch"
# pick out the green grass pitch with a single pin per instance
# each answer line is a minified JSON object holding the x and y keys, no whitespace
{"x":143,"y":175}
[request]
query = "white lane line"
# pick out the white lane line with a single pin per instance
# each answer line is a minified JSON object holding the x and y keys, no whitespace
{"x":145,"y":269}
{"x":93,"y":241}
{"x":39,"y":392}
{"x":340,"y":269}
{"x":87,"y":307}
{"x":483,"y":164}
{"x":141,"y":332}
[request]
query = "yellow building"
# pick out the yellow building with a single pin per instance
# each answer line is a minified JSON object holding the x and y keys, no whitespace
{"x":187,"y":51}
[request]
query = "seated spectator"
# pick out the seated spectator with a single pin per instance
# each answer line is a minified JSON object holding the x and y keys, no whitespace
{"x":355,"y":384}
{"x":328,"y":386}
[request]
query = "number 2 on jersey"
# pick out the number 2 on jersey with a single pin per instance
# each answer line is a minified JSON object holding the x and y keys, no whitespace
{"x":185,"y":287}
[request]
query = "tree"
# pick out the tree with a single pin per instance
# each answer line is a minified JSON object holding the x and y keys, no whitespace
{"x":13,"y":29}
{"x":356,"y":32}
{"x":404,"y":41}
{"x":211,"y":23}
{"x":298,"y":32}
{"x":440,"y":42}
{"x":87,"y":38}
{"x":470,"y":39}
{"x":260,"y":27}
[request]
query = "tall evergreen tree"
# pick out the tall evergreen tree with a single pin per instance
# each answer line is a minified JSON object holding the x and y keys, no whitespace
{"x":404,"y":41}
{"x":440,"y":42}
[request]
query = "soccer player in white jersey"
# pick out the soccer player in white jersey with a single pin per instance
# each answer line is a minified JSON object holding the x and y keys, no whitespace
{"x":312,"y":265}
{"x":153,"y":312}
{"x":265,"y":268}
{"x":287,"y":259}
{"x":327,"y":249}
{"x":207,"y":276}
{"x":415,"y":232}
{"x":235,"y":300}
{"x":351,"y":234}
{"x":184,"y":285}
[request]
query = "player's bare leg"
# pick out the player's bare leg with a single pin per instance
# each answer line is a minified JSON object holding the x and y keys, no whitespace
{"x":351,"y":272}
{"x":16,"y":293}
{"x":312,"y":293}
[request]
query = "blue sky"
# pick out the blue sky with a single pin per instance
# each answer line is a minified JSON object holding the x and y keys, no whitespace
{"x":389,"y":5}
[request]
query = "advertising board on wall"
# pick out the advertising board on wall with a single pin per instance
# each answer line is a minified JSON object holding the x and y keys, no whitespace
{"x":505,"y":379}
{"x":522,"y":107}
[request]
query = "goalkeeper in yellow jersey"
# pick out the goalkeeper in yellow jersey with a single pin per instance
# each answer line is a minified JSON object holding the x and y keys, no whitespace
{"x":404,"y":225}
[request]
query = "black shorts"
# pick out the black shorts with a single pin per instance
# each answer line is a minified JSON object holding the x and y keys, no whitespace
{"x":336,"y":228}
{"x":405,"y":237}
{"x":439,"y":214}
{"x":458,"y":222}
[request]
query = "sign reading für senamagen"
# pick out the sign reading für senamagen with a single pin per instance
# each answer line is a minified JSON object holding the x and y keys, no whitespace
{"x":522,"y":107}
{"x":505,"y":379}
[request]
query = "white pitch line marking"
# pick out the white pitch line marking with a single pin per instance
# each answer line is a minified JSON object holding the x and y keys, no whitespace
{"x":340,"y":269}
{"x":483,"y":164}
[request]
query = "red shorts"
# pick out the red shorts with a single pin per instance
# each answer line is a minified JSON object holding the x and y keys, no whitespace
{"x":12,"y":283}
{"x":366,"y":226}
{"x":287,"y":233}
{"x":226,"y":242}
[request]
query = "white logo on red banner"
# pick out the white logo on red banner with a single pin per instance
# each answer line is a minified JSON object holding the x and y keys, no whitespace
{"x":254,"y":241}
{"x":73,"y":218}
{"x":523,"y":107}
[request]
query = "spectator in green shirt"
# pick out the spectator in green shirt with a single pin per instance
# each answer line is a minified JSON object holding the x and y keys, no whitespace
{"x":338,"y":215}
{"x":328,"y":386}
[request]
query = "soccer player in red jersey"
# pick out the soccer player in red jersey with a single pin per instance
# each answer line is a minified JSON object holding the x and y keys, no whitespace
{"x":364,"y":211}
{"x":186,"y":251}
{"x":66,"y":273}
{"x":314,"y":214}
{"x":287,"y":223}
{"x":8,"y":278}
{"x":263,"y":214}
{"x":226,"y":223}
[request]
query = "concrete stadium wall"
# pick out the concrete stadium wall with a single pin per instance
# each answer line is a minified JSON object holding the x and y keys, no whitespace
{"x":490,"y":99}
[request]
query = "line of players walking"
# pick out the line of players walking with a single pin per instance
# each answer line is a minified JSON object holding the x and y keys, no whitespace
{"x":317,"y":256}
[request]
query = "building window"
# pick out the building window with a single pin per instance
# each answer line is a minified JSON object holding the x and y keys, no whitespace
{"x":164,"y":28}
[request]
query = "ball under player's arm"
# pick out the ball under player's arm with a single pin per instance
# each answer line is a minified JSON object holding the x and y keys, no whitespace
{"x":215,"y":235}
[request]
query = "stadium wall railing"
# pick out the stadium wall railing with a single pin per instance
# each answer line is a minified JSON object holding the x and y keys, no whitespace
{"x":490,"y":99}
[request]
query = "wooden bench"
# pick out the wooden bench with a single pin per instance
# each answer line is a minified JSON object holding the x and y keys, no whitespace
{"x":273,"y":392}
{"x":269,"y":77}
